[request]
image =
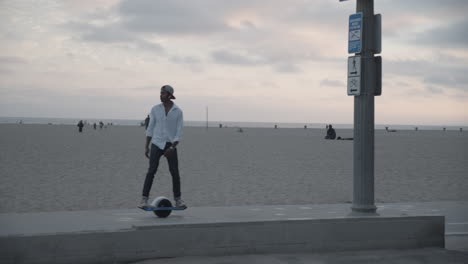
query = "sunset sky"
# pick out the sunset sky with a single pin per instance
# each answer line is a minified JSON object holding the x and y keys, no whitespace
{"x":247,"y":60}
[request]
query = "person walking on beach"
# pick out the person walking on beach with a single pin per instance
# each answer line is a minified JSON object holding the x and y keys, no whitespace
{"x":164,"y":133}
{"x":80,"y":126}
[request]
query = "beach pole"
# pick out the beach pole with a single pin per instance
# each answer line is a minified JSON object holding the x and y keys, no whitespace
{"x":363,"y":158}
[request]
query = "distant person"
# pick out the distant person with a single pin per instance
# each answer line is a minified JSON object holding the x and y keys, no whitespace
{"x":101,"y":124}
{"x":331,"y":134}
{"x":147,"y":119}
{"x":80,"y":126}
{"x":94,"y":126}
{"x":164,"y":133}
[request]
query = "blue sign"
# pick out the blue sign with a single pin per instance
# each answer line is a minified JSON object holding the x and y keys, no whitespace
{"x":355,"y":33}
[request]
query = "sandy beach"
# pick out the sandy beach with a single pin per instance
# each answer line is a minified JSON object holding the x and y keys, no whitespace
{"x":55,"y":168}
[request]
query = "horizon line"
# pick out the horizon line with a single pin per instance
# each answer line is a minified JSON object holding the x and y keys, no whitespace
{"x":233,"y":121}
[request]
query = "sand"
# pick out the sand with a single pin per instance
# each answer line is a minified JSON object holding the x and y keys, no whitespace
{"x":55,"y":168}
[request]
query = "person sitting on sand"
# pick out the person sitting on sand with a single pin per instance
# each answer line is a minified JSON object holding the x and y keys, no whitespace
{"x":331,"y":134}
{"x":164,"y":132}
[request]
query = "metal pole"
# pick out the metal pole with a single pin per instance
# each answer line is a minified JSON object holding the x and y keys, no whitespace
{"x":363,"y":171}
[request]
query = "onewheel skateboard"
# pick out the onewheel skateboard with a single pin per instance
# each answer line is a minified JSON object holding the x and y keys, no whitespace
{"x":162,"y":207}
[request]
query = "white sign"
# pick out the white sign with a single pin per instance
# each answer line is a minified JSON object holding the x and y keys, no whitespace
{"x":354,"y":75}
{"x":354,"y":85}
{"x":354,"y":66}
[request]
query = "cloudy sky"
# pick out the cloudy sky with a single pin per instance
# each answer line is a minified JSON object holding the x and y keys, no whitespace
{"x":247,"y":60}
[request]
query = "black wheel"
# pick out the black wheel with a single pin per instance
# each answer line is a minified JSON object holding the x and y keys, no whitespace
{"x":163,"y":213}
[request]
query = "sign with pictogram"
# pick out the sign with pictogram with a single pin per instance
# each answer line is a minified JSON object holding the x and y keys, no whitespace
{"x":354,"y":75}
{"x":355,"y":33}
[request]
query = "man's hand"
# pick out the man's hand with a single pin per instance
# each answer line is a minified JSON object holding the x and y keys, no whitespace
{"x":147,"y":151}
{"x":169,"y":152}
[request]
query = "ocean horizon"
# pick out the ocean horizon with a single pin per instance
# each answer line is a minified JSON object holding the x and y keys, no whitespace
{"x":194,"y":123}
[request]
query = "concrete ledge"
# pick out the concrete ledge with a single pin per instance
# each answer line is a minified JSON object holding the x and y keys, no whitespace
{"x":173,"y":239}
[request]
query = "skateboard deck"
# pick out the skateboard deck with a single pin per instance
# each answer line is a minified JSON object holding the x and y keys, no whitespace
{"x":153,"y":208}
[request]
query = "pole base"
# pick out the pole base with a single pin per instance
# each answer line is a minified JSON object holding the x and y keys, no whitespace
{"x":364,"y":210}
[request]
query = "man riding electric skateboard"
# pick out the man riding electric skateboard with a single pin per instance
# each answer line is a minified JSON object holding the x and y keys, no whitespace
{"x":164,"y":133}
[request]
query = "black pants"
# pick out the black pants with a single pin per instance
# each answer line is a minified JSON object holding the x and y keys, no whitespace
{"x":173,"y":162}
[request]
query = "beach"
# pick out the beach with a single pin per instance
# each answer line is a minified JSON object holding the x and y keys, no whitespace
{"x":55,"y":168}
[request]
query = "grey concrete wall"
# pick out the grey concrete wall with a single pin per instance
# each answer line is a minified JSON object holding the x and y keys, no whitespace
{"x":287,"y":236}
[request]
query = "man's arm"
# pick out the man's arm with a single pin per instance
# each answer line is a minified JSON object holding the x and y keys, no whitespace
{"x":149,"y":133}
{"x":180,"y":125}
{"x":147,"y":149}
{"x":152,"y":122}
{"x":178,"y":135}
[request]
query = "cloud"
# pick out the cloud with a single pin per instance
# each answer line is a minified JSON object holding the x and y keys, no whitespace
{"x":332,"y":83}
{"x":434,"y":90}
{"x":145,"y":88}
{"x":451,"y":36}
{"x":430,"y":72}
{"x":9,"y":63}
{"x":286,"y":68}
{"x":451,"y":78}
{"x":260,"y":38}
{"x":324,"y":13}
{"x":109,"y":45}
{"x":148,"y":45}
{"x":411,"y":21}
{"x":430,"y":8}
{"x":286,"y":65}
{"x":171,"y":17}
{"x":4,"y":71}
{"x":185,"y":59}
{"x":12,"y":60}
{"x":228,"y":57}
{"x":112,"y":33}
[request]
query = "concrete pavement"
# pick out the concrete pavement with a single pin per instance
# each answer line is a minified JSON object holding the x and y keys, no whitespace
{"x":455,"y":252}
{"x":414,"y":256}
{"x":118,"y":222}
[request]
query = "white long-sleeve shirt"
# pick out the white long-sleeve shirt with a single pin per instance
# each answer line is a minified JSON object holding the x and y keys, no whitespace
{"x":165,"y":128}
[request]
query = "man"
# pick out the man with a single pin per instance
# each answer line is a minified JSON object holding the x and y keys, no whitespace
{"x":331,"y":134}
{"x":164,"y":133}
{"x":80,"y":126}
